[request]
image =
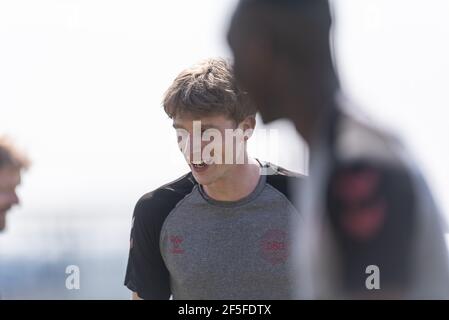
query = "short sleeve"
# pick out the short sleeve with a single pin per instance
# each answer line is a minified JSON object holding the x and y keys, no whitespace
{"x":146,"y":272}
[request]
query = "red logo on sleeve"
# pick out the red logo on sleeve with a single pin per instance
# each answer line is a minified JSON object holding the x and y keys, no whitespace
{"x":363,"y":209}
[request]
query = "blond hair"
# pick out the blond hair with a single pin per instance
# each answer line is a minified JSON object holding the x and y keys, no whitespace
{"x":208,"y":88}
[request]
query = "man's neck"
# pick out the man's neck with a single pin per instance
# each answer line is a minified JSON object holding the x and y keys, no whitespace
{"x":311,"y":122}
{"x":240,"y":181}
{"x":309,"y":100}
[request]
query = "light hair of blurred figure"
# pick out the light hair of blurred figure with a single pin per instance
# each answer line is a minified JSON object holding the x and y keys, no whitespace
{"x":366,"y":204}
{"x":12,"y":164}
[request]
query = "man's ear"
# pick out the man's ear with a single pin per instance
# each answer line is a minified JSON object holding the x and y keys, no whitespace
{"x":248,"y":125}
{"x":252,"y":121}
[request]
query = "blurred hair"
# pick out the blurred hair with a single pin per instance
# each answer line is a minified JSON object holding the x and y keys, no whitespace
{"x":297,"y":31}
{"x":294,"y":27}
{"x":11,"y":157}
{"x":208,"y":88}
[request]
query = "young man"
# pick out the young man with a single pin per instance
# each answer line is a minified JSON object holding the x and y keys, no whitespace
{"x":11,"y":165}
{"x":371,"y":228}
{"x":220,"y":231}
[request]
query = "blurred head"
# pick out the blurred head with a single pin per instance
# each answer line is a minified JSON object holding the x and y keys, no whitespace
{"x":213,"y":119}
{"x":11,"y":165}
{"x":282,"y":49}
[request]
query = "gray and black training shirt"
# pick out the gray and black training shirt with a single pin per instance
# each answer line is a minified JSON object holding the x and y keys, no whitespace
{"x":185,"y":244}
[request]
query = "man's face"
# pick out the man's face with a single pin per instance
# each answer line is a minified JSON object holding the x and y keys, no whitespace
{"x":9,"y":180}
{"x":207,"y":146}
{"x":254,"y":65}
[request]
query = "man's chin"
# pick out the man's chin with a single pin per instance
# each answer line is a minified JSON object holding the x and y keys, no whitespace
{"x":202,"y":180}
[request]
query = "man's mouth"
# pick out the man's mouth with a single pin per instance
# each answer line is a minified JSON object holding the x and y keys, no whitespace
{"x":199,"y":166}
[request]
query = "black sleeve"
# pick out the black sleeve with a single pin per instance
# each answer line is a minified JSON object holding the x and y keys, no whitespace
{"x":146,"y":273}
{"x":372,"y":209}
{"x":287,"y":182}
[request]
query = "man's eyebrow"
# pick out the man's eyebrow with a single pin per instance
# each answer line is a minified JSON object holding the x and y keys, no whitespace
{"x":208,"y":126}
{"x":203,"y":126}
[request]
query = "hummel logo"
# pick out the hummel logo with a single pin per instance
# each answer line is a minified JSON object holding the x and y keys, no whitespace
{"x":176,"y":242}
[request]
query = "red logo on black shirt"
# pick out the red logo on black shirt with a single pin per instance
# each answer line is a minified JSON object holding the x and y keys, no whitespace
{"x":274,"y":246}
{"x":362,"y":208}
{"x":176,"y":242}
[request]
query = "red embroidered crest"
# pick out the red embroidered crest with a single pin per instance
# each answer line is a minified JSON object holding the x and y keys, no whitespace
{"x":274,"y":246}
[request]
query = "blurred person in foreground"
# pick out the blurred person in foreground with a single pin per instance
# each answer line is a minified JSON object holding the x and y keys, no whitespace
{"x":12,"y":163}
{"x":372,"y":229}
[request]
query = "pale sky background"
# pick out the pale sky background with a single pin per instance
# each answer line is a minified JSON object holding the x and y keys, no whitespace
{"x":81,"y":85}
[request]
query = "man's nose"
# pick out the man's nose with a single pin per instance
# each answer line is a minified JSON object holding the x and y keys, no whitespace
{"x":14,"y":198}
{"x":192,"y":149}
{"x":185,"y":145}
{"x":195,"y":153}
